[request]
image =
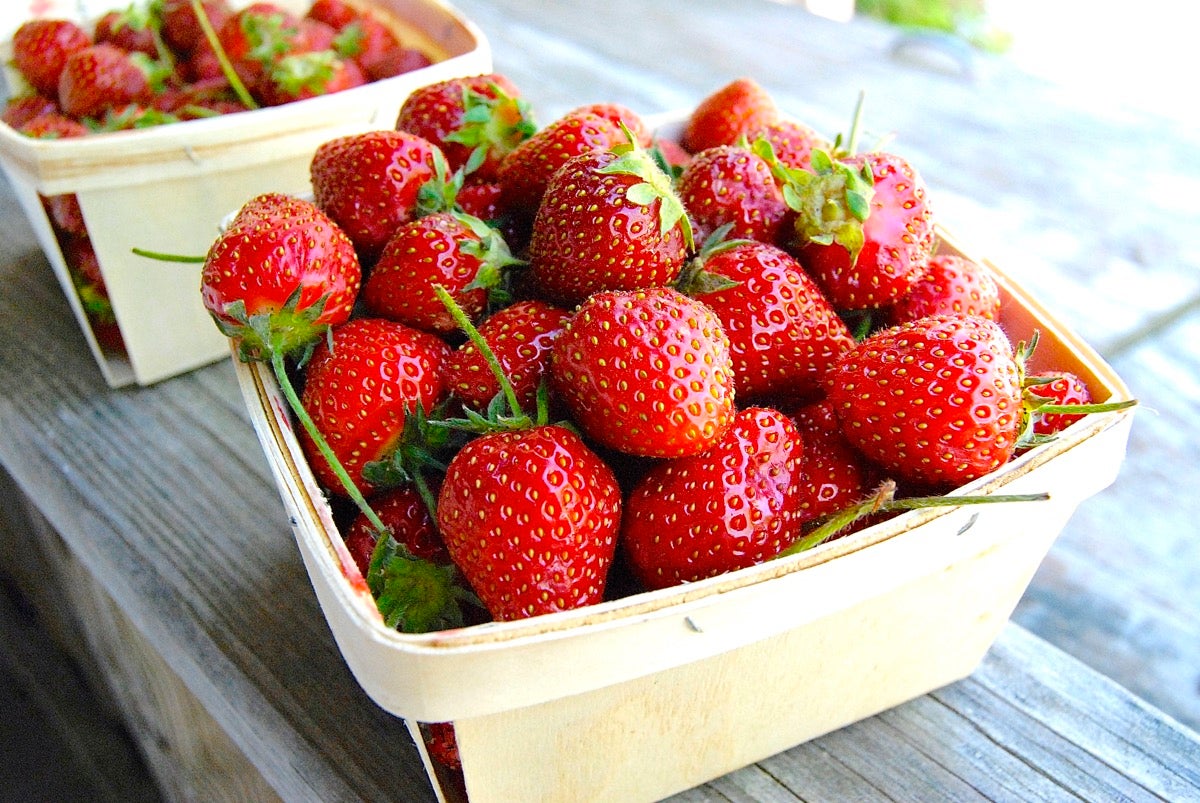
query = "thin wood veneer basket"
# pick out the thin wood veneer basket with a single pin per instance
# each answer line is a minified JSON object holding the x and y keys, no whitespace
{"x":641,"y":697}
{"x":166,"y":188}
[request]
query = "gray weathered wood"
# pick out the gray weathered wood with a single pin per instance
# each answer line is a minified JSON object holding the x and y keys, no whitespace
{"x":164,"y":497}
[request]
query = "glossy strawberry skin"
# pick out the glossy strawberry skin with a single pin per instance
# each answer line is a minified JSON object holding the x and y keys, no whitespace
{"x":41,"y":47}
{"x":407,"y":517}
{"x":898,"y":241}
{"x":936,"y":401}
{"x":521,"y":336}
{"x":791,"y":141}
{"x":784,"y":335}
{"x":181,"y":29}
{"x":733,"y":505}
{"x":589,"y":235}
{"x":526,"y":171}
{"x":833,"y":475}
{"x":646,"y":372}
{"x":359,"y":391}
{"x":531,"y":518}
{"x":729,"y":184}
{"x":1063,"y":387}
{"x":431,"y":250}
{"x":256,"y":37}
{"x":438,"y":113}
{"x":950,"y":284}
{"x":721,"y":118}
{"x":368,"y":184}
{"x":98,"y":78}
{"x":274,"y":245}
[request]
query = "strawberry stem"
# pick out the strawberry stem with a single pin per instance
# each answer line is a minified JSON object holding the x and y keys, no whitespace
{"x":464,"y":323}
{"x":310,"y":426}
{"x":226,"y":67}
{"x":161,"y":257}
{"x":884,"y":501}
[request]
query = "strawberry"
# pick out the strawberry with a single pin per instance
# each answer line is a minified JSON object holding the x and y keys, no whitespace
{"x":361,"y":385}
{"x":256,"y":37}
{"x":521,"y":337}
{"x":730,"y":184}
{"x":936,"y":401}
{"x":442,"y":744}
{"x":475,"y":120}
{"x":98,"y":78}
{"x":131,"y":29}
{"x":791,"y":141}
{"x":181,"y":29}
{"x":531,"y":518}
{"x":864,"y":227}
{"x":408,"y":520}
{"x":1056,"y":388}
{"x":733,"y":505}
{"x":369,"y":43}
{"x":41,"y":47}
{"x":368,"y":183}
{"x":950,"y":284}
{"x":609,"y":220}
{"x":833,"y":475}
{"x":731,"y":112}
{"x":398,"y":61}
{"x":299,"y":76}
{"x":459,"y":252}
{"x":27,"y":108}
{"x":54,"y":126}
{"x":279,"y":274}
{"x":525,"y":172}
{"x":88,"y":280}
{"x":784,"y":335}
{"x":646,"y":372}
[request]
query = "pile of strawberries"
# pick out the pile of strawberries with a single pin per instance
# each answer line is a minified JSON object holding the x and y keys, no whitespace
{"x":151,"y":63}
{"x":541,"y":366}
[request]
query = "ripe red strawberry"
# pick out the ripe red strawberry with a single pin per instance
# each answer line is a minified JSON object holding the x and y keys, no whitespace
{"x":408,"y":520}
{"x":27,"y":108}
{"x":88,"y":280}
{"x":733,"y":505}
{"x":950,"y":284}
{"x":54,"y":126}
{"x":784,"y":335}
{"x":521,"y":336}
{"x":461,"y":253}
{"x":877,"y":247}
{"x":934,"y":401}
{"x":131,"y":29}
{"x":531,"y":517}
{"x":362,"y":37}
{"x":300,"y":76}
{"x":98,"y":78}
{"x":41,"y":47}
{"x":525,"y":172}
{"x":646,"y":372}
{"x":256,"y":37}
{"x":791,"y":141}
{"x":475,"y":120}
{"x":733,"y":111}
{"x":1055,"y":387}
{"x":609,"y":220}
{"x":442,"y":744}
{"x":730,"y":184}
{"x":360,"y":385}
{"x":280,"y":273}
{"x":368,"y":183}
{"x":398,"y":61}
{"x":833,"y":475}
{"x":181,"y":29}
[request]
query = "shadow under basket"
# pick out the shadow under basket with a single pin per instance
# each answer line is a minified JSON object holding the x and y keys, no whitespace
{"x":167,"y":188}
{"x":641,"y":697}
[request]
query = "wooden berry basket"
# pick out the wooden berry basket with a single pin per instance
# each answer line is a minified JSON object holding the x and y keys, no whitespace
{"x":641,"y":697}
{"x":166,"y":189}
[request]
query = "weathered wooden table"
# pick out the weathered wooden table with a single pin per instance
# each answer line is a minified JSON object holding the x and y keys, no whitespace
{"x":144,"y":522}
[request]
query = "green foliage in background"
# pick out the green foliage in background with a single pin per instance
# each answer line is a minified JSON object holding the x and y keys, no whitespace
{"x":965,"y":18}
